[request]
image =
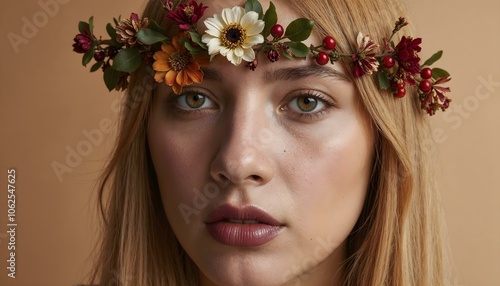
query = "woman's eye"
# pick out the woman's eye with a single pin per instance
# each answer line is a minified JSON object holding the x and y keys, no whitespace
{"x":306,"y":104}
{"x":194,"y":101}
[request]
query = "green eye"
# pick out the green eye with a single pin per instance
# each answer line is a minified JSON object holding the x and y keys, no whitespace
{"x":306,"y":104}
{"x":194,"y":100}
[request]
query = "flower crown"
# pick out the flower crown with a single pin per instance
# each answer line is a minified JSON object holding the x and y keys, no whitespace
{"x":240,"y":34}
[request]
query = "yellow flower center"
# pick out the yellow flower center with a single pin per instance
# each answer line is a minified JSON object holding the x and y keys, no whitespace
{"x":179,"y":60}
{"x":188,"y":10}
{"x":233,"y":36}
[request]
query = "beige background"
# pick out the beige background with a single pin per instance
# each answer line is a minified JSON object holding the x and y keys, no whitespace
{"x":48,"y":102}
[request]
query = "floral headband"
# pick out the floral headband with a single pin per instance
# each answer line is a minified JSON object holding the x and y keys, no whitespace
{"x":240,"y":34}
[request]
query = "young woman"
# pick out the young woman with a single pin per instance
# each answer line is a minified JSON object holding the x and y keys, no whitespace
{"x":294,"y":173}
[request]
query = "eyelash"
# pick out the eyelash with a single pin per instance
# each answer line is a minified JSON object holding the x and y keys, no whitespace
{"x":327,"y":101}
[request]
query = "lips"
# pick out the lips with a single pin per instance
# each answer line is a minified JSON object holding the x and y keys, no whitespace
{"x":247,"y":226}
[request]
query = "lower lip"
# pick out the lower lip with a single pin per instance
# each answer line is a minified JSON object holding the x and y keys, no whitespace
{"x":236,"y":234}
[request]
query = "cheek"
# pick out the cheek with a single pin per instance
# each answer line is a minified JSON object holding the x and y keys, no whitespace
{"x":335,"y":176}
{"x":181,"y":167}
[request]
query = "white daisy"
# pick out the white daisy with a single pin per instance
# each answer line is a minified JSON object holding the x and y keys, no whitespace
{"x":233,"y":33}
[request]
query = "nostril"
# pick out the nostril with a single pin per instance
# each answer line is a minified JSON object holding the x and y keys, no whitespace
{"x":255,"y":178}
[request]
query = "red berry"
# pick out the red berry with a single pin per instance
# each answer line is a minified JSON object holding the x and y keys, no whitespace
{"x":400,"y":85}
{"x":389,"y":62}
{"x":322,"y":58}
{"x":329,"y":43}
{"x":425,"y":85}
{"x":99,"y":56}
{"x":426,"y":73}
{"x":277,"y":31}
{"x":401,"y":92}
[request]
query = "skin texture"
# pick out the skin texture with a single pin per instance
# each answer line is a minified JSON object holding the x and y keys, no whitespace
{"x":251,"y":144}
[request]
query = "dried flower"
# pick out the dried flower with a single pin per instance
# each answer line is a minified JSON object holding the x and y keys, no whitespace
{"x":233,"y":34}
{"x":187,"y":15}
{"x":435,"y":99}
{"x":365,"y":61}
{"x":83,"y":42}
{"x":176,"y":66}
{"x":127,"y":29}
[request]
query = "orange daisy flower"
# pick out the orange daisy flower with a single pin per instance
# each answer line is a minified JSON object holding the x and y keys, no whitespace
{"x":175,"y":65}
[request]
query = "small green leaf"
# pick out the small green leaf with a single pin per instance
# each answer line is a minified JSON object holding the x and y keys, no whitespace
{"x":299,"y":29}
{"x":286,"y":54}
{"x":83,"y":26}
{"x":433,"y":59}
{"x":194,"y":50}
{"x":149,"y":37}
{"x":270,"y":18}
{"x":91,"y":25}
{"x":96,"y":66}
{"x":116,"y":21}
{"x":127,"y":60}
{"x":111,"y":31}
{"x":383,"y":80}
{"x":298,"y":49}
{"x":111,"y":77}
{"x":439,"y":73}
{"x":254,"y":5}
{"x":196,"y":38}
{"x":87,"y":57}
{"x":155,"y":27}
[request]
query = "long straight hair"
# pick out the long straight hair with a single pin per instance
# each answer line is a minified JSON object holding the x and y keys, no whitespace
{"x":397,"y":240}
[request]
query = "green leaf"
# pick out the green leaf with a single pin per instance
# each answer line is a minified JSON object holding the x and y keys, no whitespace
{"x":196,"y":38}
{"x":286,"y":54}
{"x":83,"y":26}
{"x":254,"y":5}
{"x":87,"y":57}
{"x":270,"y":18}
{"x":194,"y":50}
{"x":116,"y":21}
{"x":299,"y":29}
{"x":383,"y":80}
{"x":127,"y":60}
{"x":91,"y":25}
{"x":111,"y":77}
{"x":155,"y":27}
{"x":149,"y":37}
{"x":439,"y":73}
{"x":111,"y":31}
{"x":96,"y":66}
{"x":298,"y":49}
{"x":433,"y":59}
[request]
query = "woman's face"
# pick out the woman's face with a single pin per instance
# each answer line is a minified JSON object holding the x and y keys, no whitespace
{"x":263,"y":173}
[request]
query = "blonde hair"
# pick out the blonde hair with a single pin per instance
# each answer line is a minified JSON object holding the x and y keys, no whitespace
{"x":397,"y":240}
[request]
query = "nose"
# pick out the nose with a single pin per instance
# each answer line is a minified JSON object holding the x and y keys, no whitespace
{"x":243,"y":159}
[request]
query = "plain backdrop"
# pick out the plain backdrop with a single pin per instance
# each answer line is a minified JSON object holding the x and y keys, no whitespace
{"x":49,"y":104}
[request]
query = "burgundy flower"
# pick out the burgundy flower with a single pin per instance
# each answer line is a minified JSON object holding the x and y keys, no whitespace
{"x":435,"y":99}
{"x":83,"y":42}
{"x":364,"y":60}
{"x":407,"y":54}
{"x":187,"y":14}
{"x":273,"y":55}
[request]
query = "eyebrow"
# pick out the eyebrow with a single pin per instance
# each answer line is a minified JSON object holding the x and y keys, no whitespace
{"x":296,"y":73}
{"x":292,"y":73}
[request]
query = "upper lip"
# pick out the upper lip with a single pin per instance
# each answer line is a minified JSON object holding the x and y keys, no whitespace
{"x":250,"y":212}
